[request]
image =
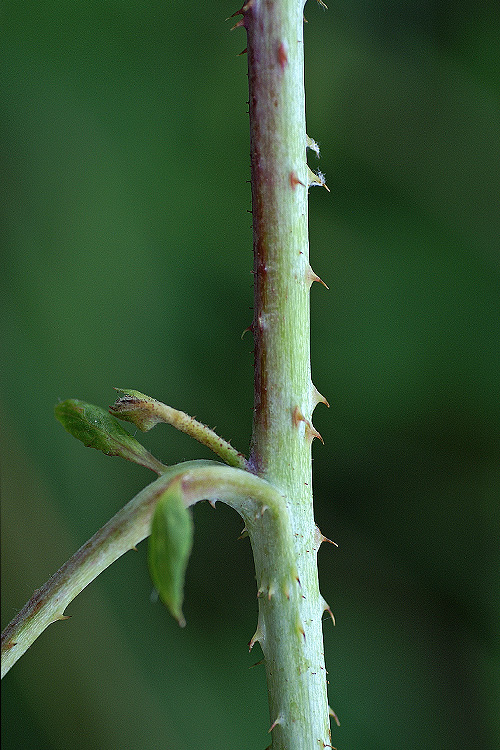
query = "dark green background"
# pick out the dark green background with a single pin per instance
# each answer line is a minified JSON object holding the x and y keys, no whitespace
{"x":126,"y":261}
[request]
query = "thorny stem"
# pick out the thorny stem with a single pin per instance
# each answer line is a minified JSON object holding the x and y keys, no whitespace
{"x":284,"y":394}
{"x":251,"y":496}
{"x":274,"y":492}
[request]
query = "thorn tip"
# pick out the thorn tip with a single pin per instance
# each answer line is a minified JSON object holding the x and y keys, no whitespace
{"x":278,"y":720}
{"x":334,"y":715}
{"x":326,"y":608}
{"x":311,"y":143}
{"x":317,"y":179}
{"x":312,"y":277}
{"x":318,"y":398}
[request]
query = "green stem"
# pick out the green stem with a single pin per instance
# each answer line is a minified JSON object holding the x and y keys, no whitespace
{"x":251,"y":496}
{"x":284,"y":394}
{"x":145,"y":412}
{"x":274,"y":493}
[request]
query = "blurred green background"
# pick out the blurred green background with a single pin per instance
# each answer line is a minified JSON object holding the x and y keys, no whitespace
{"x":126,"y":261}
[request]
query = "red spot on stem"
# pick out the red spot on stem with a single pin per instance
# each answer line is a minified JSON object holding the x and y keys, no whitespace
{"x":294,"y":180}
{"x":282,"y":56}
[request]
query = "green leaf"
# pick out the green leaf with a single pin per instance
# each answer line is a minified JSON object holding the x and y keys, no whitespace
{"x":170,"y":545}
{"x":96,"y":428}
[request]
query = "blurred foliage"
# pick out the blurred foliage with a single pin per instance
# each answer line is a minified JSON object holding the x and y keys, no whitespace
{"x":126,"y":258}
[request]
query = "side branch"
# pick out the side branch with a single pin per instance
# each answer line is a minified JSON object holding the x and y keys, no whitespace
{"x":145,"y":412}
{"x":200,"y":480}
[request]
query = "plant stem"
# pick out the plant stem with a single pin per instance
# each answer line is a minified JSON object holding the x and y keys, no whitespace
{"x":145,"y":412}
{"x":284,"y":394}
{"x":278,"y":512}
{"x":251,"y":496}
